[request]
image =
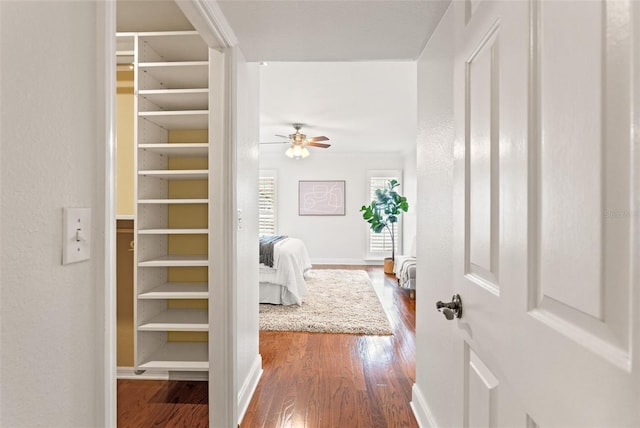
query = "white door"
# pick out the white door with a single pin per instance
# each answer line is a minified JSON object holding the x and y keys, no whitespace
{"x":546,"y":212}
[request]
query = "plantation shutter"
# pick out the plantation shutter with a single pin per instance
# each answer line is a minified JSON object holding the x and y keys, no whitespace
{"x":267,"y":205}
{"x":380,"y":243}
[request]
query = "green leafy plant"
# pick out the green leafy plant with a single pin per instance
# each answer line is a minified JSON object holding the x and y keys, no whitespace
{"x":385,"y":211}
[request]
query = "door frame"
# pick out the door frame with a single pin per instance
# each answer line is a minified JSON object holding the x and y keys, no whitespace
{"x":106,"y":403}
{"x":208,"y":19}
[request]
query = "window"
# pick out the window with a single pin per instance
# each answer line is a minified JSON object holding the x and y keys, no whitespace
{"x":267,"y":203}
{"x":380,"y":243}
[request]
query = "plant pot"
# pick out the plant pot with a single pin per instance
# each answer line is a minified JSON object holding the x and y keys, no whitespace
{"x":388,"y":265}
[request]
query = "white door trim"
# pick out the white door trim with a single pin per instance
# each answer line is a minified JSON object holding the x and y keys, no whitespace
{"x":106,"y":82}
{"x":208,"y":20}
{"x":211,"y":23}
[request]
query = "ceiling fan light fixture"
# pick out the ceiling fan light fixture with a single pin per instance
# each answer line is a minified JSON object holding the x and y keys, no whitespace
{"x":289,"y":152}
{"x":297,"y":152}
{"x":299,"y":142}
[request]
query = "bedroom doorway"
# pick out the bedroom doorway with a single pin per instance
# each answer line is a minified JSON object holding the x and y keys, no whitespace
{"x":347,"y":247}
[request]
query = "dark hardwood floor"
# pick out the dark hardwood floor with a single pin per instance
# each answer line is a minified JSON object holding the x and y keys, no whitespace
{"x":161,"y":403}
{"x":310,"y":380}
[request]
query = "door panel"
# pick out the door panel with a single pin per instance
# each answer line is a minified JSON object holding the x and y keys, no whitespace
{"x":488,"y":96}
{"x":582,"y":149}
{"x":570,"y":154}
{"x":481,"y":395}
{"x":545,"y":235}
{"x":482,"y":139}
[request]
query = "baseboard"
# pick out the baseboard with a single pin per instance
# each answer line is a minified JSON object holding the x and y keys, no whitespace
{"x":129,"y":373}
{"x":249,"y":387}
{"x":421,"y":409}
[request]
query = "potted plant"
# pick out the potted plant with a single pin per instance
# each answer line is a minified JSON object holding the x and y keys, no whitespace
{"x":383,"y":213}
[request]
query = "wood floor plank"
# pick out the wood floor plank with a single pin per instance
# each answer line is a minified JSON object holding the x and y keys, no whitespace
{"x":310,"y":380}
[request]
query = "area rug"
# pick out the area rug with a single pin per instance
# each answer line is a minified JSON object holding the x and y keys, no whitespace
{"x":339,"y":301}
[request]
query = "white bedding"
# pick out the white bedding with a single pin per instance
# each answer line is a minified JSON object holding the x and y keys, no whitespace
{"x":284,"y":284}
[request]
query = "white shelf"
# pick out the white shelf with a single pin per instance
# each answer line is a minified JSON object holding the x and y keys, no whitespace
{"x":179,"y":356}
{"x":177,"y":99}
{"x":172,"y":93}
{"x":176,"y":261}
{"x":174,"y":45}
{"x":185,"y":119}
{"x":177,"y":75}
{"x":172,"y":201}
{"x":186,"y":290}
{"x":125,"y":42}
{"x":178,"y":320}
{"x":182,"y":149}
{"x":125,"y":58}
{"x":176,"y":174}
{"x":173,"y":231}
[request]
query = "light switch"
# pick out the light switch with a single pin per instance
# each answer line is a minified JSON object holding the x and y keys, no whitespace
{"x":76,"y":235}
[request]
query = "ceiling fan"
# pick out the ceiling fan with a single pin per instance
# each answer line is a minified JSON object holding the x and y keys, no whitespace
{"x":299,"y":142}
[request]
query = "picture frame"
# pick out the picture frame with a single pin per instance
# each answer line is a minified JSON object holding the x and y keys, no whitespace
{"x":321,"y":197}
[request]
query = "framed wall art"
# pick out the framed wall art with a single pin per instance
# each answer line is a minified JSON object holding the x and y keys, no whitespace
{"x":321,"y":197}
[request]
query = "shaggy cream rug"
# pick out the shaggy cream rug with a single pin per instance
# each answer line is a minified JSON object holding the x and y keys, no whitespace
{"x":339,"y":301}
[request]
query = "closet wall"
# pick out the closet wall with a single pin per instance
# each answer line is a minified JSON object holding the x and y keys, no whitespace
{"x":162,"y":183}
{"x":124,"y":210}
{"x":169,"y":187}
{"x":180,"y":221}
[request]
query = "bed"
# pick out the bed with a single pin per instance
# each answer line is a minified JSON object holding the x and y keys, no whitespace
{"x":283,"y":263}
{"x":405,"y":270}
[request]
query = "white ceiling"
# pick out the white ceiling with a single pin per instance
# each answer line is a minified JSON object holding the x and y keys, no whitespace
{"x":360,"y":106}
{"x":150,"y":15}
{"x":332,"y":30}
{"x":343,"y":68}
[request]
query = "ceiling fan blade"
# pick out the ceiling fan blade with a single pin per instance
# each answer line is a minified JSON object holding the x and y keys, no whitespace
{"x":275,"y":142}
{"x":282,"y":136}
{"x":320,"y":138}
{"x":322,"y":145}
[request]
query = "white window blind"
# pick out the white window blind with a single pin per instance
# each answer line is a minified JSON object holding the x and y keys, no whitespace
{"x":267,"y":204}
{"x":380,"y":243}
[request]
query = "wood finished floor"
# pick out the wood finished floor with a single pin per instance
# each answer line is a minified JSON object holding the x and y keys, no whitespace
{"x":310,"y":380}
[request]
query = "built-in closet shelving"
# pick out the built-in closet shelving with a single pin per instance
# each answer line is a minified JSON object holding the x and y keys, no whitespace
{"x":171,"y":228}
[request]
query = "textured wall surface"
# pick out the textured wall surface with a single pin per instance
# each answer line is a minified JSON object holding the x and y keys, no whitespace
{"x":51,"y":158}
{"x":249,"y":365}
{"x":434,"y":272}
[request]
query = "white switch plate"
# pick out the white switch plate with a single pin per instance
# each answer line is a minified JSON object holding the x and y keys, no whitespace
{"x":76,"y":235}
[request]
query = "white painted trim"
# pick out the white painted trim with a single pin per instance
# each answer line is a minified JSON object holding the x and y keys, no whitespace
{"x":421,"y":410}
{"x":223,"y":406}
{"x":249,"y":387}
{"x":208,"y":19}
{"x":190,"y":376}
{"x":106,"y":115}
{"x":130,"y":373}
{"x":125,"y":217}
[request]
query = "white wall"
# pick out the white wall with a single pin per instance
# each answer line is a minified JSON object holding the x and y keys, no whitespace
{"x":410,"y":191}
{"x":249,"y":365}
{"x":52,"y":157}
{"x":329,"y":239}
{"x":432,"y":390}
